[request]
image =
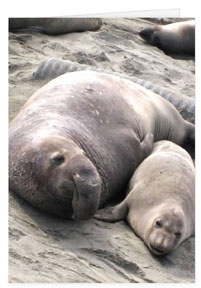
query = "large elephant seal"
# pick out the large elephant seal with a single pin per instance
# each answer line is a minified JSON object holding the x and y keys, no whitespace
{"x":53,"y":67}
{"x":160,"y":202}
{"x":175,"y":38}
{"x":78,"y":140}
{"x":55,"y":26}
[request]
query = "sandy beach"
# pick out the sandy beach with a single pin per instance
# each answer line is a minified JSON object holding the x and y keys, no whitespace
{"x":44,"y":249}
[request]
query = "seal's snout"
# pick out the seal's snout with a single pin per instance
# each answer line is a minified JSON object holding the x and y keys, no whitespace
{"x":147,"y":33}
{"x":87,"y":187}
{"x":161,"y":245}
{"x":86,"y":178}
{"x":156,"y":251}
{"x":161,"y":240}
{"x":81,"y":216}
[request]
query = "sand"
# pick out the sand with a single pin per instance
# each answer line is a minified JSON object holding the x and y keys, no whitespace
{"x":48,"y":249}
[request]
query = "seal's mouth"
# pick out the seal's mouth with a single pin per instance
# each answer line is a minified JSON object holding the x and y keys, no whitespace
{"x":81,"y":217}
{"x":87,"y":187}
{"x":156,"y":250}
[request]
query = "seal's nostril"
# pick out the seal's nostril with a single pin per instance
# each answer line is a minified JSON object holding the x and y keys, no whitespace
{"x":177,"y":234}
{"x":86,"y":172}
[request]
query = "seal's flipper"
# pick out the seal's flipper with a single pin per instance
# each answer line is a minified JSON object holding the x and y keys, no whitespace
{"x":113,"y":214}
{"x":189,"y":141}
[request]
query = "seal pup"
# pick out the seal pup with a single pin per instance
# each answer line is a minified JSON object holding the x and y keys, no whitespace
{"x":54,"y":26}
{"x":160,"y":205}
{"x":77,"y":140}
{"x":174,"y":38}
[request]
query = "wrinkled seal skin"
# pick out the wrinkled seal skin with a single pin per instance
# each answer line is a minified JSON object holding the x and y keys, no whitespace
{"x":55,"y":26}
{"x":77,"y":140}
{"x":175,"y":38}
{"x":160,"y":205}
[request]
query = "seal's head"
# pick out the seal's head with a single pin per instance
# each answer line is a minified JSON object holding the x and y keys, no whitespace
{"x":67,"y":175}
{"x":166,"y":232}
{"x":151,"y":35}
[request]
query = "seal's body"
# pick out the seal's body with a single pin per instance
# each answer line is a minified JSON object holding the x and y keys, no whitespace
{"x":54,"y":26}
{"x":52,"y":68}
{"x":175,"y":38}
{"x":77,"y":140}
{"x":160,"y":205}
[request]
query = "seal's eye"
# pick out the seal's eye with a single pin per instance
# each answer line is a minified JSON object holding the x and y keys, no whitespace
{"x":57,"y":160}
{"x":158,"y":224}
{"x":177,"y":234}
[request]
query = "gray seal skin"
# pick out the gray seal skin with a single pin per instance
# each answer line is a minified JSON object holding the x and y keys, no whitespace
{"x":175,"y":38}
{"x":52,"y":68}
{"x":77,"y":140}
{"x":160,"y":205}
{"x":54,"y":26}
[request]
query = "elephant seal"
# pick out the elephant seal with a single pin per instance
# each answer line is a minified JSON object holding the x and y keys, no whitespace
{"x":160,"y":205}
{"x":175,"y":38}
{"x":54,"y":26}
{"x":78,"y":139}
{"x":52,"y":68}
